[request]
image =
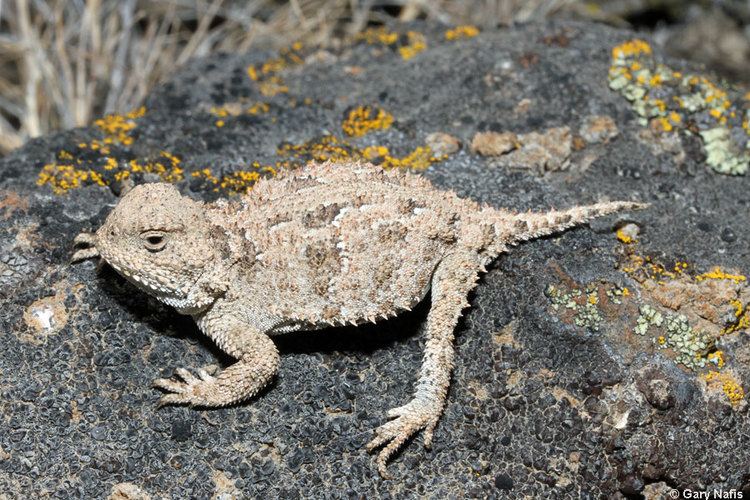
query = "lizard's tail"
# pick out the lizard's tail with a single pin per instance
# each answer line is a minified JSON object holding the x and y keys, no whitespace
{"x":529,"y":225}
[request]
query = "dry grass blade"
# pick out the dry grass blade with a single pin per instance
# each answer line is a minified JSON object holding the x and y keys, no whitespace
{"x":64,"y":63}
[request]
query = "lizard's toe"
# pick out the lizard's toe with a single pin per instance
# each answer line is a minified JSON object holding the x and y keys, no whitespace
{"x":170,"y":385}
{"x":173,"y":399}
{"x":189,"y":390}
{"x":392,"y":435}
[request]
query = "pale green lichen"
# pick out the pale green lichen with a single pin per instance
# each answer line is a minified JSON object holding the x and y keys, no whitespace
{"x":722,"y":154}
{"x":689,"y":344}
{"x":668,"y":101}
{"x":585,"y":305}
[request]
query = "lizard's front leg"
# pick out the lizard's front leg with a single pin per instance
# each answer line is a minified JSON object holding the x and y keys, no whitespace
{"x":257,"y":362}
{"x":452,"y":281}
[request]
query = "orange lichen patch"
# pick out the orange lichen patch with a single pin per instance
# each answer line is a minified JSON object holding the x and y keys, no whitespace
{"x":643,"y":269}
{"x":374,"y":152}
{"x":62,"y":177}
{"x":237,"y":182}
{"x":136,"y":113}
{"x":272,"y":86}
{"x":416,"y":43}
{"x":320,"y":149}
{"x":631,"y":48}
{"x":727,"y":383}
{"x":237,"y":109}
{"x":661,"y":124}
{"x":65,"y":177}
{"x":377,"y":36}
{"x":742,"y":317}
{"x":266,"y":75}
{"x":10,"y":201}
{"x":69,"y":171}
{"x":364,"y":119}
{"x":667,"y":100}
{"x":707,"y":295}
{"x":221,"y":112}
{"x":331,"y":148}
{"x":117,"y":128}
{"x":419,"y":159}
{"x":717,"y":358}
{"x":408,"y":45}
{"x":717,"y":274}
{"x":459,"y":32}
{"x":628,"y":233}
{"x":259,"y":108}
{"x":622,"y":236}
{"x":166,"y":166}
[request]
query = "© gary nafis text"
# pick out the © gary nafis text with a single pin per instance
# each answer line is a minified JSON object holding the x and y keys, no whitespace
{"x":708,"y":494}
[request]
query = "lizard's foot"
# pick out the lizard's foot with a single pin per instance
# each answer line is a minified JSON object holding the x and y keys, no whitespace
{"x":190,"y":390}
{"x":409,"y":419}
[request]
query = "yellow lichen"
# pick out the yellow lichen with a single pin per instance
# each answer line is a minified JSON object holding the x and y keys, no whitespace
{"x":363,"y":119}
{"x":742,"y":318}
{"x":463,"y":31}
{"x":237,"y":182}
{"x":717,"y":274}
{"x":419,"y":159}
{"x":378,"y":35}
{"x":416,"y":44}
{"x":662,"y":124}
{"x":266,"y":76}
{"x":624,"y":237}
{"x":729,"y":385}
{"x":258,"y":108}
{"x":631,"y":48}
{"x":717,"y":358}
{"x":62,"y":177}
{"x":669,"y":101}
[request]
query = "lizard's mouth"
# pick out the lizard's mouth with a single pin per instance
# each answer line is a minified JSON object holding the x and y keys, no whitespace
{"x":89,"y":252}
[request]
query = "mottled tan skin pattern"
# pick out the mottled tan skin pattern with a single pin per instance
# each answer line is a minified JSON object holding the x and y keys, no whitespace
{"x":330,"y":244}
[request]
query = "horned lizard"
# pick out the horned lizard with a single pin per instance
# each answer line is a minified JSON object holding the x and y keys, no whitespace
{"x":329,"y":244}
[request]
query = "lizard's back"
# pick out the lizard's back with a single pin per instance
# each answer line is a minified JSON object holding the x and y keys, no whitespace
{"x":341,"y":244}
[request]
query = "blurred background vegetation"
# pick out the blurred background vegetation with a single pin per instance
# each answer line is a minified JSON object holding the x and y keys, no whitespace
{"x":63,"y":63}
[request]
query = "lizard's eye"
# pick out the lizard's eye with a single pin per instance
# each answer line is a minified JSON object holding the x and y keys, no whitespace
{"x":154,"y":241}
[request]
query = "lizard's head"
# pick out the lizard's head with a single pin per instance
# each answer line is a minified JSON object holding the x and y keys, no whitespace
{"x":163,"y":243}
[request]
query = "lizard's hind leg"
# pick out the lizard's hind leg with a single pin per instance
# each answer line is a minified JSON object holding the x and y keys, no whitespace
{"x":452,"y":281}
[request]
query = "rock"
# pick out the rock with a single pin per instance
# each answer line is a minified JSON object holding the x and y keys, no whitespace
{"x":128,"y":491}
{"x":442,"y":144}
{"x":597,"y":128}
{"x":494,"y":143}
{"x":553,"y":395}
{"x":538,"y":152}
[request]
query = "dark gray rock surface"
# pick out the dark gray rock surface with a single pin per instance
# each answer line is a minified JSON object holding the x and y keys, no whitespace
{"x":561,"y":411}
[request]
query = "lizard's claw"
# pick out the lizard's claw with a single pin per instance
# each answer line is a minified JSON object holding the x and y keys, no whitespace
{"x":409,"y":419}
{"x":191,"y":390}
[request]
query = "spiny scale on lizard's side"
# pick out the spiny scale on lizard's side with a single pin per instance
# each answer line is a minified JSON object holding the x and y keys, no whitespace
{"x":330,"y":244}
{"x":362,"y":242}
